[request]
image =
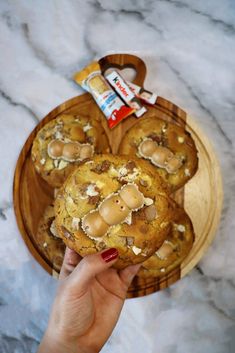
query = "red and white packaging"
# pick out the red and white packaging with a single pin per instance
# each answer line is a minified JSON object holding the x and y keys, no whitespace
{"x":143,"y":94}
{"x":91,"y":79}
{"x":124,"y":91}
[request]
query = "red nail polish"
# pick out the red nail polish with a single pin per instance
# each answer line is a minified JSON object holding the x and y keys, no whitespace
{"x":109,"y":255}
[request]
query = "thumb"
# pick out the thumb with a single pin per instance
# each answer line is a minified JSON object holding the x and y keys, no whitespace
{"x":71,"y":259}
{"x":128,"y":274}
{"x":89,"y":267}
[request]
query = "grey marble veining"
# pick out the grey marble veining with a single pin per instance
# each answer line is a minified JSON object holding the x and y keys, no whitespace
{"x":189,"y":49}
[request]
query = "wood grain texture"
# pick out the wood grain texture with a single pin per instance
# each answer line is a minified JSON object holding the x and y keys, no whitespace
{"x":202,"y":196}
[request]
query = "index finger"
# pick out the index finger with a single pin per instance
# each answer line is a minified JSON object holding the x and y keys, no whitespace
{"x":71,"y":259}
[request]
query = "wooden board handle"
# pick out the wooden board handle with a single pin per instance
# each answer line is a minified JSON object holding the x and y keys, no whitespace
{"x":123,"y":61}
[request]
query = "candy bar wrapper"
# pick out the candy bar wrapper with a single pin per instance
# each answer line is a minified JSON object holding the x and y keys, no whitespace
{"x":142,"y":94}
{"x":91,"y":79}
{"x":124,"y":91}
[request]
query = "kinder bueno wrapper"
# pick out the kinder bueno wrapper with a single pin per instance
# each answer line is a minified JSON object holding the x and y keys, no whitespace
{"x":91,"y":79}
{"x":124,"y":91}
{"x":142,"y":94}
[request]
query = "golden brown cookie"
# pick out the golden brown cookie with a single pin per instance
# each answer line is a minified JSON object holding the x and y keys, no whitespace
{"x":114,"y":201}
{"x":48,"y":242}
{"x":64,"y":143}
{"x":167,"y":146}
{"x":175,"y":248}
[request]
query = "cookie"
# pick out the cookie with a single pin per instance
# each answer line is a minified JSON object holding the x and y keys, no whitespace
{"x":64,"y":143}
{"x":168,"y":147}
{"x":114,"y":201}
{"x":175,"y":248}
{"x":48,"y":242}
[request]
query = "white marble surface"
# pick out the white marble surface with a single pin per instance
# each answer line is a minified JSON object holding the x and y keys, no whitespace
{"x":189,"y":48}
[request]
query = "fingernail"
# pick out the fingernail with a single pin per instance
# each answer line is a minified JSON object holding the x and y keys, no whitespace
{"x":109,"y":254}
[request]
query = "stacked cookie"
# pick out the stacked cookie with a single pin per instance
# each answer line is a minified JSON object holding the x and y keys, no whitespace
{"x":122,"y":201}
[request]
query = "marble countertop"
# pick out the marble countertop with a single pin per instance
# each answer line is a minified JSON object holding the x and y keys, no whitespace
{"x":189,"y":49}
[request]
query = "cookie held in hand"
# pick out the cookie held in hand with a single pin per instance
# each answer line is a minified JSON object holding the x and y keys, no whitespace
{"x":114,"y":201}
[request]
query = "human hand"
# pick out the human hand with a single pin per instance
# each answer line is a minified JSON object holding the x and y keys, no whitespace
{"x":88,"y":303}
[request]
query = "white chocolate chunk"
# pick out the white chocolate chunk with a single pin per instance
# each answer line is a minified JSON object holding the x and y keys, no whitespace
{"x":128,"y":219}
{"x":123,"y":171}
{"x":180,"y":139}
{"x":62,"y":164}
{"x":43,"y":161}
{"x":69,"y":201}
{"x":131,"y":177}
{"x":87,"y":127}
{"x":124,"y":175}
{"x":136,"y":250}
{"x":181,"y":228}
{"x":148,"y":201}
{"x":45,"y":245}
{"x":53,"y":229}
{"x":58,"y":135}
{"x":75,"y":223}
{"x":56,"y":163}
{"x":187,"y":172}
{"x":90,"y":191}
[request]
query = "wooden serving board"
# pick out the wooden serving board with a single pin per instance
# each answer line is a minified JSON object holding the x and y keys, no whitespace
{"x":201,"y":197}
